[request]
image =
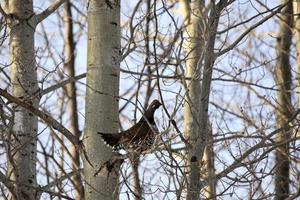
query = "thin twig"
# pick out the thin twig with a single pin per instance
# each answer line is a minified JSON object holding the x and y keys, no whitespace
{"x":83,"y":75}
{"x":230,"y":47}
{"x":55,"y":182}
{"x":47,"y":118}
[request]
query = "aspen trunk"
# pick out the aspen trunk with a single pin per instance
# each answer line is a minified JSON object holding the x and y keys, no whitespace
{"x":196,"y":119}
{"x":71,"y":92}
{"x":201,"y":137}
{"x":194,"y":63}
{"x":102,"y":95}
{"x":22,"y":141}
{"x":284,"y":110}
{"x":208,"y":160}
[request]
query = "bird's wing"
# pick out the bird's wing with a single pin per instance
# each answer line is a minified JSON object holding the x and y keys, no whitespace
{"x":136,"y":133}
{"x":154,"y":128}
{"x":111,"y":140}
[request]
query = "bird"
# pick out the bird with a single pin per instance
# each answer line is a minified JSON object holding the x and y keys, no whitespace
{"x":139,"y":137}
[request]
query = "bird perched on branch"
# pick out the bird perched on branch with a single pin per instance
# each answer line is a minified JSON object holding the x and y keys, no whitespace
{"x":139,"y":137}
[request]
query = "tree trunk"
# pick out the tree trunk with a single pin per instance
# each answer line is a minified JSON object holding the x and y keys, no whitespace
{"x":209,"y":170}
{"x":102,"y":95}
{"x":197,"y":98}
{"x":284,"y":110}
{"x":71,"y":92}
{"x":194,"y":63}
{"x":22,"y":141}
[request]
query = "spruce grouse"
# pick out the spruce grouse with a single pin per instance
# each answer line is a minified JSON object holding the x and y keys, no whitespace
{"x":139,"y":137}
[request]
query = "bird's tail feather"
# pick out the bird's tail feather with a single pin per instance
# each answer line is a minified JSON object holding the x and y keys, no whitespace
{"x":112,"y":140}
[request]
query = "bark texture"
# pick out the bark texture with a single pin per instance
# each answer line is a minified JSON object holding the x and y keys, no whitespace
{"x":102,"y":95}
{"x":201,"y":137}
{"x":284,"y":110}
{"x":209,"y":170}
{"x":194,"y":63}
{"x":22,"y":141}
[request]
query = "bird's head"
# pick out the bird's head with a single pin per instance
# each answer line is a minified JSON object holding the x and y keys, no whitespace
{"x":155,"y":104}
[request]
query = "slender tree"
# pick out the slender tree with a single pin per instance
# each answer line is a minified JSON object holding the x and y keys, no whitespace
{"x":209,"y":168}
{"x":195,"y":27}
{"x":284,"y":108}
{"x":22,"y":140}
{"x":200,"y":139}
{"x":102,"y":95}
{"x":72,"y":94}
{"x":194,"y":63}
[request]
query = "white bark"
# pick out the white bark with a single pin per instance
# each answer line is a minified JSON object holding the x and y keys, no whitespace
{"x":209,"y":168}
{"x":22,"y":141}
{"x":102,"y":95}
{"x":194,"y":63}
{"x":199,"y":131}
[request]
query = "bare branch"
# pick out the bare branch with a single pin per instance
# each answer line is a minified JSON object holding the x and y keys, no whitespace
{"x":3,"y":12}
{"x":7,"y":182}
{"x":248,"y":20}
{"x":83,"y":75}
{"x":230,"y":47}
{"x":47,"y":118}
{"x":61,"y":84}
{"x":239,"y":160}
{"x":55,"y":182}
{"x":48,"y":11}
